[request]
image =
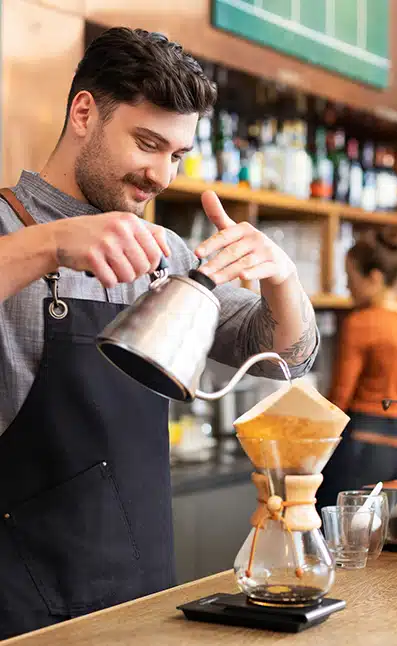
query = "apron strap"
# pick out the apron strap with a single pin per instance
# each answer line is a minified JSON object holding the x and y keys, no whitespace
{"x":24,"y":216}
{"x":58,"y":309}
{"x":9,"y":196}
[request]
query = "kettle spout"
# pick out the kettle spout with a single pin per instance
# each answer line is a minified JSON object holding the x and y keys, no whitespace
{"x":262,"y":356}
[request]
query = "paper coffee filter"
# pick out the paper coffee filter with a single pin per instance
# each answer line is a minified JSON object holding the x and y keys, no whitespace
{"x":295,"y":417}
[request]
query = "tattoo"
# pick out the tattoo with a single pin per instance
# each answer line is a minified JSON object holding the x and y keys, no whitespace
{"x":267,"y":324}
{"x":301,"y":349}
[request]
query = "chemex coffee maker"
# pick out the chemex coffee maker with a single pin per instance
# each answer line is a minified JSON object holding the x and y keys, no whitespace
{"x":284,"y":568}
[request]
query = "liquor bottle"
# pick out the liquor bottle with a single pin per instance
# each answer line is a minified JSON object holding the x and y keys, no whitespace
{"x":356,"y":175}
{"x":368,"y":196}
{"x":336,"y":146}
{"x":205,"y":140}
{"x":255,"y":156}
{"x":298,"y":163}
{"x":323,"y":170}
{"x":386,"y":182}
{"x":284,"y":155}
{"x":244,"y":174}
{"x":191,"y":165}
{"x":270,"y":148}
{"x":227,"y":153}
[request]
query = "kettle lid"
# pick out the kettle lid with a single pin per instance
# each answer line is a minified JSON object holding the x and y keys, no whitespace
{"x":202,"y":279}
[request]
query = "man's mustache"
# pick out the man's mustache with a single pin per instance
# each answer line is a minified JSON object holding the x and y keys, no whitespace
{"x":142,"y":184}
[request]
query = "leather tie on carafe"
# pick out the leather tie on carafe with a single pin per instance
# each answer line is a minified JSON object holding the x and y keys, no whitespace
{"x":271,"y":508}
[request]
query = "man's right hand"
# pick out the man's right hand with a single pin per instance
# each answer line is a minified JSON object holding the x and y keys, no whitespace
{"x":116,"y":247}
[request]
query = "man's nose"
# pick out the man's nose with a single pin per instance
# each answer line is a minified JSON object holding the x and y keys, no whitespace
{"x":160,"y":172}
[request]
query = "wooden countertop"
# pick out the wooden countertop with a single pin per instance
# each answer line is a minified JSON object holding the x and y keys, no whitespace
{"x":368,"y":620}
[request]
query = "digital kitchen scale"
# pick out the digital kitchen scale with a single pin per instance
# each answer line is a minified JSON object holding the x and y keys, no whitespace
{"x":236,"y":610}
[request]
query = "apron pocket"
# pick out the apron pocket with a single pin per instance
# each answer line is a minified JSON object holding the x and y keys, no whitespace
{"x":76,"y":542}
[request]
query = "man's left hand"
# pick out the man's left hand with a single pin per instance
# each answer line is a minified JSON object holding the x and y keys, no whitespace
{"x":241,"y":250}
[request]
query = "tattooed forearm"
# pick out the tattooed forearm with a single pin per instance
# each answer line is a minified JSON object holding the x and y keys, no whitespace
{"x":302,"y":349}
{"x":265,"y":332}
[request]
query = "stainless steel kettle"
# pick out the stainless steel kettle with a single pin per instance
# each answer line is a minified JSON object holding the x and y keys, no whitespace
{"x":163,"y":339}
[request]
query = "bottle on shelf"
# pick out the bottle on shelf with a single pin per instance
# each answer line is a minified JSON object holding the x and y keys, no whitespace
{"x":323,"y":169}
{"x":255,"y":156}
{"x":205,"y":142}
{"x":368,"y":196}
{"x":356,"y":174}
{"x":227,"y":153}
{"x":271,"y":151}
{"x":298,"y":163}
{"x":341,"y":164}
{"x":191,"y":165}
{"x":244,"y":173}
{"x":386,"y":181}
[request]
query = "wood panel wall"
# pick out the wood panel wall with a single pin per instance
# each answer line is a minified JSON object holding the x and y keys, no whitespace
{"x":42,"y":41}
{"x":41,"y":48}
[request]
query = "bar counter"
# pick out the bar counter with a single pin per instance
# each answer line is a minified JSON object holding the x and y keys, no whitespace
{"x":368,"y":620}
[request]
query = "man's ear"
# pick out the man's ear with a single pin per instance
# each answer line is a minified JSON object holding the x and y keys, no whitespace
{"x":82,"y":112}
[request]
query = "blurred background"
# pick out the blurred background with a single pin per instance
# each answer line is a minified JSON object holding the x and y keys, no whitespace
{"x":302,"y":144}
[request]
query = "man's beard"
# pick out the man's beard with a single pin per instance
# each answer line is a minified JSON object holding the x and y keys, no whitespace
{"x":101,"y":187}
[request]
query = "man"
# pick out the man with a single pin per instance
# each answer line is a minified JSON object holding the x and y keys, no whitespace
{"x":84,"y":470}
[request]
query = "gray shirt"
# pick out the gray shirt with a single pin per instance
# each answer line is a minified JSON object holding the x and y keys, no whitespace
{"x":21,"y":317}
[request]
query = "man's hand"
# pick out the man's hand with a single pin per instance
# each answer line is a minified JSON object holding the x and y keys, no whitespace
{"x":116,"y":247}
{"x":243,"y":251}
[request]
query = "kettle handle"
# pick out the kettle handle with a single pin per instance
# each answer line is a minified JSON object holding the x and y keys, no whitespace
{"x":262,"y":356}
{"x":162,"y":266}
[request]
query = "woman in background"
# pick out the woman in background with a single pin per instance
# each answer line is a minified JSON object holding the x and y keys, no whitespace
{"x":366,"y":372}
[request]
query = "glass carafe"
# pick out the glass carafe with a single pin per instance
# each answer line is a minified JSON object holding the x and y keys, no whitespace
{"x":285,"y":561}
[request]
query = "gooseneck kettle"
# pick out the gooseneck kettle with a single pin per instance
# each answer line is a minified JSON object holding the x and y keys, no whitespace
{"x":163,"y":339}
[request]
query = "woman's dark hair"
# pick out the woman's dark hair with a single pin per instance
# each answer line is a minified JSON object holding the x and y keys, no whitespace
{"x":129,"y":65}
{"x":380,"y":254}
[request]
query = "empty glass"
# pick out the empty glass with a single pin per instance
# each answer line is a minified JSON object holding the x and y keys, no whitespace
{"x":381,"y":517}
{"x":347,"y":531}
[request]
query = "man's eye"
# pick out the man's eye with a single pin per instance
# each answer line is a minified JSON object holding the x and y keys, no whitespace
{"x":146,"y":146}
{"x":176,"y":157}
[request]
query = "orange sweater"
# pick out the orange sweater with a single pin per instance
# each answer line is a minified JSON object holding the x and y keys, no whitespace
{"x":365,"y":371}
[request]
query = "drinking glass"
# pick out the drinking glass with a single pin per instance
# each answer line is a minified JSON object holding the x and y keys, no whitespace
{"x":381,"y":517}
{"x":347,"y":532}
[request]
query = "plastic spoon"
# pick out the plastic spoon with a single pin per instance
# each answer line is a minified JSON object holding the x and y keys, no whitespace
{"x":359,"y":520}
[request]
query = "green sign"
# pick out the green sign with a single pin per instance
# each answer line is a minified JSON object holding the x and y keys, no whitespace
{"x":347,"y":36}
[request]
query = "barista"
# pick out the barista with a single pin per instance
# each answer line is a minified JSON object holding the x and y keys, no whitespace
{"x":85,"y":496}
{"x":365,"y":372}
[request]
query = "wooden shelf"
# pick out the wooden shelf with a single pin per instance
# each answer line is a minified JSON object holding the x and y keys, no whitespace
{"x":186,"y":189}
{"x":244,"y":203}
{"x":331,"y":302}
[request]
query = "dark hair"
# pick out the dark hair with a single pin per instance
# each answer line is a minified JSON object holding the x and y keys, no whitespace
{"x":380,"y":254}
{"x":128,"y":65}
